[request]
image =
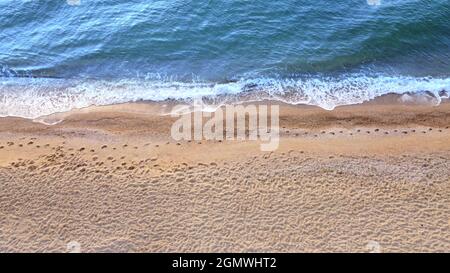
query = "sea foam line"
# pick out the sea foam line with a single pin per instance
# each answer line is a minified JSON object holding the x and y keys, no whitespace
{"x":35,"y":97}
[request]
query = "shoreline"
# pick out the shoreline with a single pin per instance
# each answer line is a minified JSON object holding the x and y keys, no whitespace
{"x":423,"y":98}
{"x":111,"y":179}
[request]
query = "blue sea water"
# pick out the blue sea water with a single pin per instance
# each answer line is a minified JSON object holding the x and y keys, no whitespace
{"x":56,"y":55}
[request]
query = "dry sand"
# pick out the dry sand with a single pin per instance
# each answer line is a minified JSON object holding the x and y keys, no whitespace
{"x":373,"y":177}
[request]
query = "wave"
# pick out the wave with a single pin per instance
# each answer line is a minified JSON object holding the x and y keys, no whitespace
{"x":36,"y":97}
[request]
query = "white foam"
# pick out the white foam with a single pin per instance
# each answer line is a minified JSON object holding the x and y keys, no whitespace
{"x":32,"y":98}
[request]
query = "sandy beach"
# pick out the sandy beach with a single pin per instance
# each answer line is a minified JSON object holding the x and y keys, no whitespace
{"x":364,"y":178}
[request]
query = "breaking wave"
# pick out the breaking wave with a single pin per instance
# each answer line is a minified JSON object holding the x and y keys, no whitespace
{"x":35,"y":97}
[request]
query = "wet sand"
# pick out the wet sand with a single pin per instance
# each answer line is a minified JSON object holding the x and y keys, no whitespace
{"x":372,"y":177}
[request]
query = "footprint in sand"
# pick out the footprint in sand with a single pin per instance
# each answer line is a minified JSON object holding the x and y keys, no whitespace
{"x":104,"y":146}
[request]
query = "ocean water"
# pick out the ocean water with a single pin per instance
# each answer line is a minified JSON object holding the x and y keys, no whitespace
{"x":56,"y":55}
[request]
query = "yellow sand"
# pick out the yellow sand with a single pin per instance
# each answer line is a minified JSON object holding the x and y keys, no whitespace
{"x":374,"y":177}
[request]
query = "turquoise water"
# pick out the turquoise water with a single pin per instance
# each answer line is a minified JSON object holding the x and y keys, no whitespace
{"x":55,"y":56}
